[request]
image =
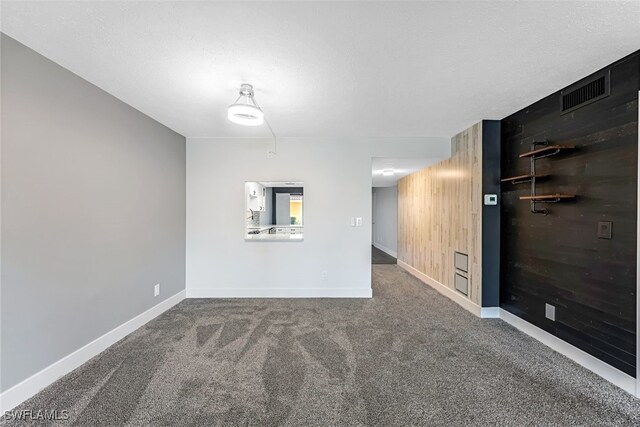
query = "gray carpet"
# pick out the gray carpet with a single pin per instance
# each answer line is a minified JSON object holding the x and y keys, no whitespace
{"x":381,"y":257}
{"x":406,"y":357}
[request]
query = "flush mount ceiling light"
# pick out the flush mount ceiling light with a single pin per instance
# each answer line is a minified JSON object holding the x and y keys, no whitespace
{"x":245,"y":111}
{"x":388,"y":172}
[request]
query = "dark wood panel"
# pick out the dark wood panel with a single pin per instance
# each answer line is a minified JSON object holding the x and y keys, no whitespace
{"x":545,"y":197}
{"x":546,"y":150}
{"x":520,"y":179}
{"x":558,"y":259}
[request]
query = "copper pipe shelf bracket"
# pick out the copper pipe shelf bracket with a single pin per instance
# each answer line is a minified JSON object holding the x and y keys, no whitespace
{"x":540,"y":150}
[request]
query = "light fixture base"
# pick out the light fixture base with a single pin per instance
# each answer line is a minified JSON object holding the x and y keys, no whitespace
{"x":246,"y":90}
{"x":245,"y":111}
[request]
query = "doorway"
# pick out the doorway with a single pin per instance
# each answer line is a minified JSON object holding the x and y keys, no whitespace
{"x":384,"y":225}
{"x":385,"y":175}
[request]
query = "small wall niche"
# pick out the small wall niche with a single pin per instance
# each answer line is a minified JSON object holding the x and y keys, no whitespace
{"x":461,"y":261}
{"x":461,"y":284}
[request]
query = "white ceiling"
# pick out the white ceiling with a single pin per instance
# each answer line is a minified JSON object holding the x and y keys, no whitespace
{"x":324,"y":69}
{"x":401,"y":167}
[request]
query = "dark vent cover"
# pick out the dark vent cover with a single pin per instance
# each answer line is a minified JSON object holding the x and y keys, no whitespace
{"x":583,"y":94}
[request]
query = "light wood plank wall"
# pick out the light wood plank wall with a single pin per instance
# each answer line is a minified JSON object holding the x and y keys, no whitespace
{"x":440,"y":211}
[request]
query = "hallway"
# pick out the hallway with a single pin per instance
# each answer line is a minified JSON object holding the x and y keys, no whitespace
{"x":381,"y":257}
{"x":409,"y":356}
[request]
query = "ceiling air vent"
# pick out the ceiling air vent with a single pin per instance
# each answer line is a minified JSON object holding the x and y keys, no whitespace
{"x":582,"y":93}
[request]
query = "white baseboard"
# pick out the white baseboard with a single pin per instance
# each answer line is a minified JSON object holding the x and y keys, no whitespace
{"x":456,"y":297}
{"x":386,"y":250}
{"x":490,"y":312}
{"x":32,"y":385}
{"x":279,"y":293}
{"x":608,"y":372}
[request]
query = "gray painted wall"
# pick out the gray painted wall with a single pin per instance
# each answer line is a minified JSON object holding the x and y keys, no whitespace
{"x":386,"y":218}
{"x":93,"y":212}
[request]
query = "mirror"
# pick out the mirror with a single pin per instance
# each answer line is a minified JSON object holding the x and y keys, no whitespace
{"x":274,"y":210}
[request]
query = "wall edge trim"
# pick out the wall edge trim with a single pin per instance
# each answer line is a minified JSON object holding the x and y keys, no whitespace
{"x":638,"y":263}
{"x":490,"y":312}
{"x":30,"y":386}
{"x":615,"y":376}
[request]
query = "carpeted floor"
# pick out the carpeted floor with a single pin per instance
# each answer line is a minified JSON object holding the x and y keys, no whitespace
{"x":381,"y":257}
{"x":406,"y":357}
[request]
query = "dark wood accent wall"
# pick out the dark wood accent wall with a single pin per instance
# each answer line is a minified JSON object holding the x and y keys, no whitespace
{"x":490,"y":214}
{"x":558,"y":258}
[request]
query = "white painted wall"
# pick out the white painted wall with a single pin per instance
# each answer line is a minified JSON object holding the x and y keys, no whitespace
{"x":386,"y":219}
{"x":337,"y":179}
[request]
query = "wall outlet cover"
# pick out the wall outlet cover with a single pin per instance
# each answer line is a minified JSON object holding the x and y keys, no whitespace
{"x":324,"y":275}
{"x":605,"y":230}
{"x":550,"y":312}
{"x":156,"y":290}
{"x":359,"y":221}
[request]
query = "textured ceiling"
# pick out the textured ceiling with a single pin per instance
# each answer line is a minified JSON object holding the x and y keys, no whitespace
{"x":324,"y":69}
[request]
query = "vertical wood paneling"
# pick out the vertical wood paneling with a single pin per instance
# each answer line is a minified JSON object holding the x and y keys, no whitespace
{"x":440,"y":211}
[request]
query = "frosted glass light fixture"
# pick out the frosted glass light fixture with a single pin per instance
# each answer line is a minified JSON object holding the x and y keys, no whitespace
{"x":245,"y":111}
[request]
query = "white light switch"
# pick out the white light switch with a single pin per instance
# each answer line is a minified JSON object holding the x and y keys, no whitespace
{"x":490,"y":199}
{"x":353,"y":221}
{"x":359,"y":221}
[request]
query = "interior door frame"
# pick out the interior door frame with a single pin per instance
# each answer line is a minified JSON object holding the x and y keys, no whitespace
{"x":373,"y":215}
